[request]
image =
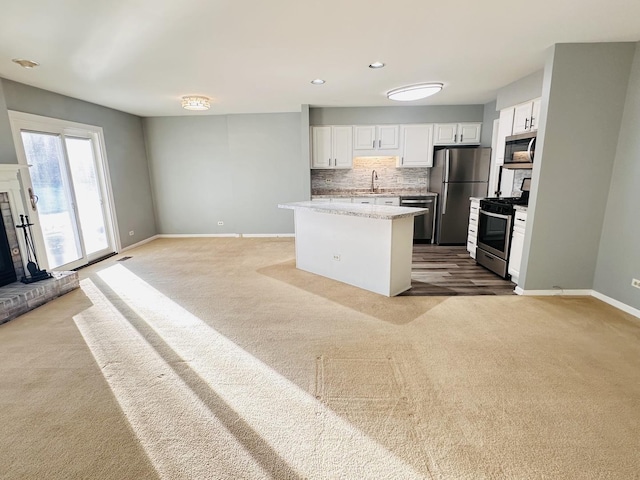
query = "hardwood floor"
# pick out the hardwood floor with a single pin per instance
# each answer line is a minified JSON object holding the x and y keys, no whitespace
{"x":443,"y":270}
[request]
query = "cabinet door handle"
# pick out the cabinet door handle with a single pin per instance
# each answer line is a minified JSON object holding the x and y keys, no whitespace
{"x":531,"y":125}
{"x":461,"y":135}
{"x":379,"y":143}
{"x":373,"y":145}
{"x":401,"y":160}
{"x":526,"y":123}
{"x":455,"y":138}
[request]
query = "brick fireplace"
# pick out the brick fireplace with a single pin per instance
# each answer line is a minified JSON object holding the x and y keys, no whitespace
{"x":17,"y":298}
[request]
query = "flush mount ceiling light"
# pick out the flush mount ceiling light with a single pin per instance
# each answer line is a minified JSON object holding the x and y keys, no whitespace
{"x":318,"y":81}
{"x":376,"y":65}
{"x":414,"y":92}
{"x":195,"y":102}
{"x":25,"y":63}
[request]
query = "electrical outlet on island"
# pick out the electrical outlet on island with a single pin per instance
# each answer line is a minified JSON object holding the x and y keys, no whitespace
{"x":635,"y":282}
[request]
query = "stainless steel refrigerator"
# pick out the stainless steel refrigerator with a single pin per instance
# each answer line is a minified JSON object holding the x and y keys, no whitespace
{"x":456,"y":175}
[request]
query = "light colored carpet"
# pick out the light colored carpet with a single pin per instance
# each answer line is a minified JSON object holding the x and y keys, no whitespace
{"x":217,"y":359}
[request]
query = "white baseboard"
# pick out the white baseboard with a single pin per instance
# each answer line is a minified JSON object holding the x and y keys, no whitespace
{"x":556,"y":291}
{"x":268,"y":235}
{"x":139,"y":244}
{"x":615,"y":303}
{"x":589,"y":293}
{"x":199,"y":235}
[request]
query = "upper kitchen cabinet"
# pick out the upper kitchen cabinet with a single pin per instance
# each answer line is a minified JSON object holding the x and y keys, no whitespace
{"x":417,"y":146}
{"x":457,"y":133}
{"x":526,"y":116}
{"x":376,"y":137}
{"x":332,"y":147}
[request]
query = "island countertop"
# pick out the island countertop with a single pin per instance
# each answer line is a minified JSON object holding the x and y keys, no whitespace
{"x":382,"y":212}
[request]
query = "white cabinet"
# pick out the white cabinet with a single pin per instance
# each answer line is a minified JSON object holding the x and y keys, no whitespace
{"x":376,"y":137}
{"x":391,"y":201}
{"x":331,"y":199}
{"x":472,"y":232}
{"x":526,"y":116}
{"x":457,"y":133}
{"x":332,"y":147}
{"x":417,"y":146}
{"x":517,"y":245}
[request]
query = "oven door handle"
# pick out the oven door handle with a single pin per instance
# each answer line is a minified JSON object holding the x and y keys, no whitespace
{"x":497,"y":215}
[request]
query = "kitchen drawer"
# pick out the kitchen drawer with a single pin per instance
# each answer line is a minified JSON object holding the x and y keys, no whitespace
{"x":471,"y":248}
{"x":366,"y":200}
{"x":391,"y":201}
{"x":473,"y":218}
{"x":472,"y":239}
{"x":520,"y":221}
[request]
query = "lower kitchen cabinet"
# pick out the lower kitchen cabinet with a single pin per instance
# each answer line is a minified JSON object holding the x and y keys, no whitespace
{"x":517,"y":245}
{"x":472,"y":232}
{"x":392,"y":201}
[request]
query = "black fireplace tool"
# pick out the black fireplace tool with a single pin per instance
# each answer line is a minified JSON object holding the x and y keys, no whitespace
{"x":32,"y":264}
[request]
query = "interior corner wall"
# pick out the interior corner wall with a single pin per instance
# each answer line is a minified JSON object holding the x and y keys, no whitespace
{"x":233,"y":169}
{"x":124,"y":143}
{"x":619,"y":254}
{"x":582,"y":104}
{"x":522,"y":90}
{"x":490,"y":114}
{"x":7,"y":149}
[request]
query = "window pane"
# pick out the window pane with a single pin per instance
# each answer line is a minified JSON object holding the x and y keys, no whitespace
{"x":44,"y":153}
{"x":87,"y":190}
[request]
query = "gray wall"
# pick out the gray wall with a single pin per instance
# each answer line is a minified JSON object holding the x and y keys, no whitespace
{"x":233,"y":168}
{"x":403,"y":114}
{"x":490,"y":114}
{"x":7,"y":149}
{"x":582,"y":104}
{"x":520,"y":91}
{"x":126,"y":154}
{"x":619,"y":255}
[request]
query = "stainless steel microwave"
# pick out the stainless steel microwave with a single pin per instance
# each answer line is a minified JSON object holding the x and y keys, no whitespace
{"x":520,"y":150}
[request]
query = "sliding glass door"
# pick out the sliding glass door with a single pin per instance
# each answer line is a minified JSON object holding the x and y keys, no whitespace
{"x":69,"y":196}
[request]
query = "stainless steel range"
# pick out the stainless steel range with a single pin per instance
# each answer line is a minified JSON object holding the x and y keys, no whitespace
{"x":495,"y":225}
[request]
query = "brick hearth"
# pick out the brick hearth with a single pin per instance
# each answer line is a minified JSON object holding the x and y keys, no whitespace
{"x":18,"y":298}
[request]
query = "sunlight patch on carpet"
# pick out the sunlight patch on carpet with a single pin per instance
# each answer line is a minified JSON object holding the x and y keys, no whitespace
{"x":304,"y":432}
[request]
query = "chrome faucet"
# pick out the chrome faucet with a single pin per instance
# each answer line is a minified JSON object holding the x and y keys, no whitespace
{"x":374,"y":176}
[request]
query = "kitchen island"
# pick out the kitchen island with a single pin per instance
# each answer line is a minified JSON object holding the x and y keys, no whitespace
{"x":368,"y":246}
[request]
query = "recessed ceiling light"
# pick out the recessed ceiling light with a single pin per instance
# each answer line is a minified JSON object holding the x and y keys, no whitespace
{"x":196,"y":102}
{"x":317,"y":81}
{"x":414,"y":92}
{"x":376,"y":65}
{"x":25,"y":63}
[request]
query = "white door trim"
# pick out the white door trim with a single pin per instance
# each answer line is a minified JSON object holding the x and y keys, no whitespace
{"x":26,"y":121}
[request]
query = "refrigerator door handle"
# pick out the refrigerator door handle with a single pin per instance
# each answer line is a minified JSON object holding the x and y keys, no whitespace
{"x":447,"y":159}
{"x":445,"y":195}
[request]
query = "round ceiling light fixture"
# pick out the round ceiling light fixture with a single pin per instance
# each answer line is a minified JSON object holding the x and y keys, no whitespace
{"x":414,"y":92}
{"x":376,"y":65}
{"x":318,"y":81}
{"x":196,"y":102}
{"x":25,"y":63}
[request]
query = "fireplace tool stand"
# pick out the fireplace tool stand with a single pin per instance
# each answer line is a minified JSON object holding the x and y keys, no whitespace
{"x":32,"y":264}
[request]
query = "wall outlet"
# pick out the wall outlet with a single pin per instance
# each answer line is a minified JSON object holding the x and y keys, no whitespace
{"x":131,"y":233}
{"x":327,"y":180}
{"x":220,"y":223}
{"x":635,"y":282}
{"x":336,"y":257}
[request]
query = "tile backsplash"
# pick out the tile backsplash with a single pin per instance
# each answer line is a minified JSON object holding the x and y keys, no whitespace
{"x":359,"y":177}
{"x":517,"y":181}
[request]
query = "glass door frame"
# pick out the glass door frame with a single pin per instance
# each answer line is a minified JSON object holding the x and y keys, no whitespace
{"x":38,"y":124}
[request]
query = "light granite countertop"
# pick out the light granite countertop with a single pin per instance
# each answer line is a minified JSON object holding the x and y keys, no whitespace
{"x":368,"y":193}
{"x":382,"y":212}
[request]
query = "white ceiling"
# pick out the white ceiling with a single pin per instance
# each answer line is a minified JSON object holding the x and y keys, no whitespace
{"x":252,"y":56}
